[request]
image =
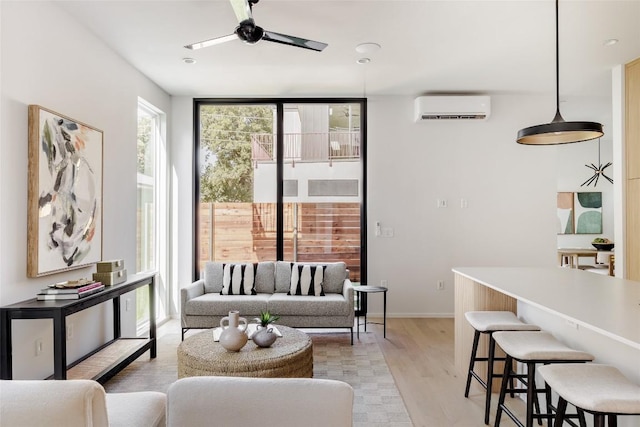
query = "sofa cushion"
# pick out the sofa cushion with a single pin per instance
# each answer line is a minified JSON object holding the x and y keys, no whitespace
{"x":212,"y":304}
{"x":264,"y":279}
{"x":334,"y":276}
{"x":306,"y":280}
{"x":304,"y":305}
{"x":238,"y":279}
{"x":283,"y":276}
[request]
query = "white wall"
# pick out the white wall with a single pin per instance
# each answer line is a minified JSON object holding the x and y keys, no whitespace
{"x":47,"y":58}
{"x":510,"y":190}
{"x":182,"y":199}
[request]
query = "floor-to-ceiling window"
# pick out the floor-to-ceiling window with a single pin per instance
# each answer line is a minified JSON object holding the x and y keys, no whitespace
{"x":151,"y":238}
{"x":280,"y":179}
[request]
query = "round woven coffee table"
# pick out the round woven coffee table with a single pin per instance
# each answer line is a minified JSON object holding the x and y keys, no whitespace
{"x":291,"y":356}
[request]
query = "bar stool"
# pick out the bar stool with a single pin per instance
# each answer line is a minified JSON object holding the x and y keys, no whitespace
{"x":601,"y":390}
{"x":531,"y":348}
{"x":488,"y":322}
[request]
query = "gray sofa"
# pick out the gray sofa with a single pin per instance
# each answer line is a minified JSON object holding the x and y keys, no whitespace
{"x":202,"y":305}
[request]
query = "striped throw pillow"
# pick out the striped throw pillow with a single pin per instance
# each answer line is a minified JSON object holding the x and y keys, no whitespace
{"x":307,"y":280}
{"x":238,"y":279}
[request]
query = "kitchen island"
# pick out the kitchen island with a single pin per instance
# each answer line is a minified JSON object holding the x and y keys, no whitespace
{"x":590,"y":312}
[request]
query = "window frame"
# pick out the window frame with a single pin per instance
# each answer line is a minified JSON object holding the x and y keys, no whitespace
{"x":279,"y":103}
{"x":161,"y":214}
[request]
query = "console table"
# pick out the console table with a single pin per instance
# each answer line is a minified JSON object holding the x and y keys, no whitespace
{"x":126,"y":350}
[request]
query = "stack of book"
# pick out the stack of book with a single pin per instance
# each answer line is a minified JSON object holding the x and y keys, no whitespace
{"x":69,"y":290}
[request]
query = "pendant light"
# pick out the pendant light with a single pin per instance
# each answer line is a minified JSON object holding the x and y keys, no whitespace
{"x":598,"y":171}
{"x":559,"y":131}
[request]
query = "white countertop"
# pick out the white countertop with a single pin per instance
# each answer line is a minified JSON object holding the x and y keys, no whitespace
{"x":605,"y":304}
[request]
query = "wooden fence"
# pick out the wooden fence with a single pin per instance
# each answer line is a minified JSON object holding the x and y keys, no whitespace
{"x":314,"y":232}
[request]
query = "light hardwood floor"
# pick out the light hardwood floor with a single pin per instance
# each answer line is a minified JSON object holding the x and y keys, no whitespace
{"x":419,"y":353}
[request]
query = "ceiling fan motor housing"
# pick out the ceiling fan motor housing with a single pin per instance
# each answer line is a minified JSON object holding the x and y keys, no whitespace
{"x":249,"y":32}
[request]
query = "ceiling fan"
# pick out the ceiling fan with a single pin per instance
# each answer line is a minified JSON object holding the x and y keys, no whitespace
{"x":250,"y":33}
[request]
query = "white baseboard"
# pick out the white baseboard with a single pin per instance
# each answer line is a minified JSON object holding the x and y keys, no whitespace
{"x":412,"y":315}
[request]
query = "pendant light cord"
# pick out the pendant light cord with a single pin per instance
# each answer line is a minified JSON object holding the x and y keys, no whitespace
{"x":557,"y":61}
{"x":558,"y":116}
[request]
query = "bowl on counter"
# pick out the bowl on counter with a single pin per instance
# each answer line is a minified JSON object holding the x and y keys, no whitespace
{"x":603,"y":246}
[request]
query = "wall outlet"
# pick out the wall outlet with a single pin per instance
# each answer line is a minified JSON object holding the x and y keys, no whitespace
{"x":127,"y":304}
{"x":69,"y":331}
{"x":464,"y":203}
{"x":440,"y":285}
{"x":387,"y":232}
{"x":38,"y":347}
{"x":384,"y":283}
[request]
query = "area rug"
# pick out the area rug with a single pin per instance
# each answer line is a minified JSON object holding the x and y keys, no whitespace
{"x":377,"y":400}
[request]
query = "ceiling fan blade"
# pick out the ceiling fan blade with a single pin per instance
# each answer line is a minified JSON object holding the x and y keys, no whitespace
{"x":211,"y":42}
{"x":242,"y":9}
{"x":293,"y":41}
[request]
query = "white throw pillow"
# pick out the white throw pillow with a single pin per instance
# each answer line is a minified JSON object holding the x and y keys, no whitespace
{"x":238,"y":279}
{"x":307,"y":280}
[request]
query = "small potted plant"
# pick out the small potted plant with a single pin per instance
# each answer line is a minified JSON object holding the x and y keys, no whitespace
{"x":264,"y":335}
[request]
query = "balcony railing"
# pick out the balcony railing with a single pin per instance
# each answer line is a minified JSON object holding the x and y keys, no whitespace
{"x":307,"y":147}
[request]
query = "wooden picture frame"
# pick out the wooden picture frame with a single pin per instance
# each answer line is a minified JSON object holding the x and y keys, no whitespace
{"x":64,"y":216}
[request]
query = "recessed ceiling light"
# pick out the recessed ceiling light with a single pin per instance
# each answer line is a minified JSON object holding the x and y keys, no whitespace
{"x":367,"y":47}
{"x":189,"y":60}
{"x":610,"y":42}
{"x":363,"y":60}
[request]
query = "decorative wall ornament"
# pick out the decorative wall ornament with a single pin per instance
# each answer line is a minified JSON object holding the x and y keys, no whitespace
{"x":64,"y":228}
{"x":579,"y":213}
{"x":598,"y":171}
{"x":565,"y":213}
{"x":588,"y":213}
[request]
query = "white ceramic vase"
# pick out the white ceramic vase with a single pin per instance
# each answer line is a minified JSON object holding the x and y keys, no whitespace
{"x":264,"y":336}
{"x":234,"y":331}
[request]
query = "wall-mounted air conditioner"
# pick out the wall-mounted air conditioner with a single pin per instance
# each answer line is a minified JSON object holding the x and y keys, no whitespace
{"x":452,"y":107}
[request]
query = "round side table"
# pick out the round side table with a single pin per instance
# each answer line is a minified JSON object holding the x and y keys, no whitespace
{"x":362,"y":292}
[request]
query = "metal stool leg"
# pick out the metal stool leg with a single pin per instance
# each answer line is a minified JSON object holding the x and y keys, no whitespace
{"x":531,"y":378}
{"x":560,"y":411}
{"x":581,"y":418}
{"x":598,"y":420}
{"x":472,"y":361}
{"x":503,"y":388}
{"x":487,"y":403}
{"x":532,"y":385}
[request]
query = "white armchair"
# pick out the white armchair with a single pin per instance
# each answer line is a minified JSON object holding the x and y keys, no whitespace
{"x":81,"y":403}
{"x":282,"y":402}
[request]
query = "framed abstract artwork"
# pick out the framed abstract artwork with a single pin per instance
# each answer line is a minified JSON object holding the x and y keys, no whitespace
{"x":565,"y":213}
{"x":64,"y":229}
{"x":588,"y":213}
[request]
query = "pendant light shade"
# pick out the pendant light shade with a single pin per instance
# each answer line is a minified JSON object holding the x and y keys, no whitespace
{"x":559,"y":131}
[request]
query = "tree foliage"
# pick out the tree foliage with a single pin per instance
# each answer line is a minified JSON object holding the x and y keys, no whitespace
{"x":226,"y":171}
{"x":144,"y":135}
